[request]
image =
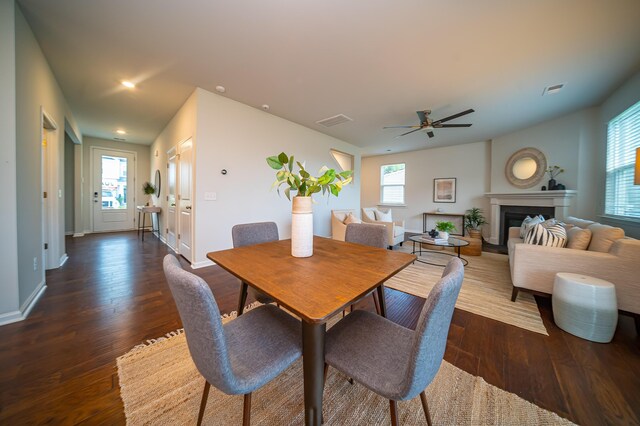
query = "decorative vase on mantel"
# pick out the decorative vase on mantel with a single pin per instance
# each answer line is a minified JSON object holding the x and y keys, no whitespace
{"x":301,"y":227}
{"x":552,"y":184}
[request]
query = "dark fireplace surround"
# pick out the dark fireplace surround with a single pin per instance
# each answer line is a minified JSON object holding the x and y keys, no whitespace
{"x":514,"y":215}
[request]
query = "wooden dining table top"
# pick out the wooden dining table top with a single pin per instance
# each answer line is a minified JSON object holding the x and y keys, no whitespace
{"x":316,"y":287}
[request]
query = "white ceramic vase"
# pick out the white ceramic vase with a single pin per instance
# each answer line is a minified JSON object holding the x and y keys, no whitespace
{"x":301,"y":227}
{"x":443,"y":235}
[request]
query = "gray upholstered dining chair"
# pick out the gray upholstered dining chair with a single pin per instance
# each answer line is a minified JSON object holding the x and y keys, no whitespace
{"x":248,"y":234}
{"x":369,"y":235}
{"x":240,"y":356}
{"x":393,"y":361}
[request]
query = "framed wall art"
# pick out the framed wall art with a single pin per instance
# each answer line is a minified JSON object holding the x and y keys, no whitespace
{"x":444,"y":190}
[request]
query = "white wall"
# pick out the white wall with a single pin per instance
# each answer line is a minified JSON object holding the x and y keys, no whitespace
{"x":142,"y":171}
{"x":36,"y":88}
{"x":239,"y":138}
{"x":469,"y":164}
{"x":9,"y":294}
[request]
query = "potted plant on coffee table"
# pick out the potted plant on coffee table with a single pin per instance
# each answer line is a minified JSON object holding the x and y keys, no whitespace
{"x":473,"y":221}
{"x":444,"y":229}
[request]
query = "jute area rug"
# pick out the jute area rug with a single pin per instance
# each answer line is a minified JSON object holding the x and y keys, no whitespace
{"x":160,"y":385}
{"x":486,"y":289}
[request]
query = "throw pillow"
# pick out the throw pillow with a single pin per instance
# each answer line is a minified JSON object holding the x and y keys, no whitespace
{"x":549,"y":222}
{"x":528,"y":223}
{"x":383,"y":217}
{"x":553,"y":236}
{"x":603,"y":237}
{"x":578,"y":238}
{"x":351,"y":219}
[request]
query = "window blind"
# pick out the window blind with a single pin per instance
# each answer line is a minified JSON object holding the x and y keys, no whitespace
{"x":392,"y":184}
{"x":622,"y":197}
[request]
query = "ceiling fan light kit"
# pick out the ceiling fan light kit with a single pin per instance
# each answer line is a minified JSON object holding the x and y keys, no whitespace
{"x":427,"y":123}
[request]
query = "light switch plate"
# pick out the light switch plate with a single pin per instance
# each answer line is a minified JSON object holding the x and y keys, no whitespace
{"x":210,"y":196}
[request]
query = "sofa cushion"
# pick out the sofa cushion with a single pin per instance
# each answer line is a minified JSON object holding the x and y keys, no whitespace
{"x":528,"y":223}
{"x":582,"y":223}
{"x":553,"y":236}
{"x":351,"y":219}
{"x":578,"y":238}
{"x":603,"y":236}
{"x":383,"y":217}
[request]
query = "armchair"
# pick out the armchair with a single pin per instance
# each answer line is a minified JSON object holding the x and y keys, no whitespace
{"x":338,"y":227}
{"x":395,"y":229}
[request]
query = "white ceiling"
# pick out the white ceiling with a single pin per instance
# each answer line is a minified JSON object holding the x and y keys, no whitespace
{"x":376,"y":61}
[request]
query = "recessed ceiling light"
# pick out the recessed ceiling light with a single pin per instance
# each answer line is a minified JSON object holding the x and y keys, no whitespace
{"x":128,"y":84}
{"x":388,"y":150}
{"x":265,"y":107}
{"x":552,"y":90}
{"x":121,"y":132}
{"x":220,"y":89}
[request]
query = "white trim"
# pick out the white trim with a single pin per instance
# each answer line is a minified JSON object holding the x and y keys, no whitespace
{"x":63,"y":259}
{"x":66,"y":234}
{"x":78,"y":234}
{"x":25,"y":309}
{"x":201,"y":264}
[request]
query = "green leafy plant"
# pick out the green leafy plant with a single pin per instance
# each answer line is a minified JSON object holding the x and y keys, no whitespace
{"x":445,"y":226}
{"x":474,"y":218}
{"x":148,"y":188}
{"x":554,"y":171}
{"x":329,"y":182}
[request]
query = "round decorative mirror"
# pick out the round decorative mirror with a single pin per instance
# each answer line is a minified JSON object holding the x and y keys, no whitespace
{"x":526,"y":168}
{"x":157,"y":183}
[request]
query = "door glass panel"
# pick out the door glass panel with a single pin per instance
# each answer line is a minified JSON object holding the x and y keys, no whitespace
{"x":114,"y":182}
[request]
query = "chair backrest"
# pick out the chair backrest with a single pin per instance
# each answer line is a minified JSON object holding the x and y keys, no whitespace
{"x":367,"y":234}
{"x":433,"y":327}
{"x":202,"y":325}
{"x":254,"y":233}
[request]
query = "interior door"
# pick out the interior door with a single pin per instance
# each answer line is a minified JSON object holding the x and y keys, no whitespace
{"x":185,"y":166}
{"x":171,"y":199}
{"x":113,"y":185}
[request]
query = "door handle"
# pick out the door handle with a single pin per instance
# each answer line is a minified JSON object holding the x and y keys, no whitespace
{"x":173,"y":204}
{"x":188,"y":207}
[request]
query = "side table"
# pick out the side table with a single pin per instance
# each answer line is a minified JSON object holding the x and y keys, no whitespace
{"x":151,"y":210}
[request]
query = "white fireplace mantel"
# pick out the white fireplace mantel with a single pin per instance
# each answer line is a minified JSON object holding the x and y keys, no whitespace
{"x":561,"y":200}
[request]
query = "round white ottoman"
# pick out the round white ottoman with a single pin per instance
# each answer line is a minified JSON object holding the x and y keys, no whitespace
{"x":585,"y":306}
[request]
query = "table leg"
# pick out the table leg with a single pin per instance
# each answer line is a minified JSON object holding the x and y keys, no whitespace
{"x":383,"y":305}
{"x":313,"y":364}
{"x":138,"y":222}
{"x":243,"y":297}
{"x":143,"y":223}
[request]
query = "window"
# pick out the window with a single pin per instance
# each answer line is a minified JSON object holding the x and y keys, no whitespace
{"x":623,"y":138}
{"x":392,"y":184}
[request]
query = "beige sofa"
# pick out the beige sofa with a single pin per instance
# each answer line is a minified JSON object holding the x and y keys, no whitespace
{"x":395,"y":229}
{"x":613,"y":259}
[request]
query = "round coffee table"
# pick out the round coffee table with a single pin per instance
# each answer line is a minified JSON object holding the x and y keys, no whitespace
{"x":456,"y":243}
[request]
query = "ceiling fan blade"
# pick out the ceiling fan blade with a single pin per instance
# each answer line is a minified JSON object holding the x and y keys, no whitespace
{"x":410,"y":132}
{"x":451,"y":117}
{"x":454,"y":125}
{"x":422,"y":116}
{"x":430,"y":134}
{"x":401,"y":127}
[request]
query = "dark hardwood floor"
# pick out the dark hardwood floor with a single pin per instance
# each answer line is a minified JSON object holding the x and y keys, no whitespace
{"x":58,"y":366}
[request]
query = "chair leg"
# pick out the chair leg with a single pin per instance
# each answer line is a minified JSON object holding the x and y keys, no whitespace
{"x":203,"y":403}
{"x":375,"y":302}
{"x":425,"y":407}
{"x":324,"y":383}
{"x":394,"y":412}
{"x":246,"y":411}
{"x":242,"y":299}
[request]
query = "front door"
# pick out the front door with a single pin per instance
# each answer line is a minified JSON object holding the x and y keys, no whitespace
{"x":113,"y":194}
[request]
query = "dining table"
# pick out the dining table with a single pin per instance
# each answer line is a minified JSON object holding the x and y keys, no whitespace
{"x":314,"y":289}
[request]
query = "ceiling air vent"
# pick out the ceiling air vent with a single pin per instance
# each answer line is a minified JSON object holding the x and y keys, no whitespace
{"x":119,"y":139}
{"x":335,"y":120}
{"x":551,"y":90}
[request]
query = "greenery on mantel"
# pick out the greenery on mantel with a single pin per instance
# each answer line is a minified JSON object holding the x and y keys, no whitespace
{"x":329,"y":182}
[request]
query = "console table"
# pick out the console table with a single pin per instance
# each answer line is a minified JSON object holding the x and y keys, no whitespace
{"x":151,"y":210}
{"x":443,"y":216}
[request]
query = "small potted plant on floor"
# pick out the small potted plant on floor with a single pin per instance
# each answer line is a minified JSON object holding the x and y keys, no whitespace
{"x":473,"y":221}
{"x":444,"y":228}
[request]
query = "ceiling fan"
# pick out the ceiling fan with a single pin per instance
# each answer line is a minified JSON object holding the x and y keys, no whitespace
{"x":428,"y":123}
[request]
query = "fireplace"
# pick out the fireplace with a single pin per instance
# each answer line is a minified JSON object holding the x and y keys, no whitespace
{"x":546,"y":203}
{"x":514,"y":215}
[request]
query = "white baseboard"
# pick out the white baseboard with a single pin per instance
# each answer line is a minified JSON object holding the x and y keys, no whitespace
{"x":68,"y":233}
{"x":202,"y":264}
{"x":63,"y":259}
{"x":26,"y":307}
{"x":414,"y":231}
{"x":78,"y":234}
